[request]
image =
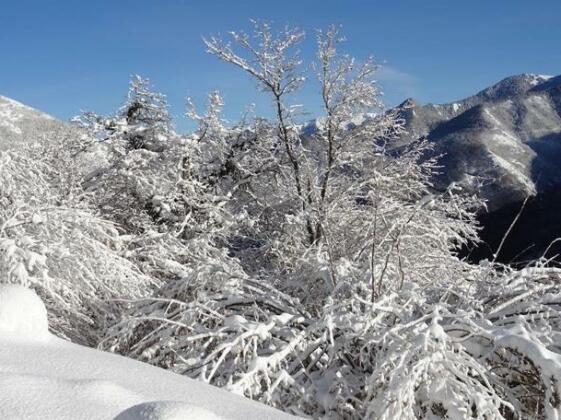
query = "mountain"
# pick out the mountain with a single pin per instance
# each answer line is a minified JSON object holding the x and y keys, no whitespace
{"x":503,"y":143}
{"x":19,"y":123}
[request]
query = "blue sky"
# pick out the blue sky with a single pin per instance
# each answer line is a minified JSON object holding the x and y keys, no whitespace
{"x":63,"y":56}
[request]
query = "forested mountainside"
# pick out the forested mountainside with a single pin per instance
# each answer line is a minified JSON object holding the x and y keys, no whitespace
{"x":504,"y":143}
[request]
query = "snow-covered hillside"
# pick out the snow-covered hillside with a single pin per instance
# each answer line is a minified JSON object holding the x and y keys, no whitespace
{"x":502,"y":143}
{"x":45,"y":378}
{"x":19,"y":122}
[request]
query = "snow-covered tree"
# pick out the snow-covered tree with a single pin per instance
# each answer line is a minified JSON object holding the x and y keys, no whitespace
{"x":142,"y":122}
{"x":139,"y":147}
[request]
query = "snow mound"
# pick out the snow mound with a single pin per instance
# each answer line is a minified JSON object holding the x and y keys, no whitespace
{"x":57,"y":380}
{"x":22,"y":313}
{"x":166,"y":410}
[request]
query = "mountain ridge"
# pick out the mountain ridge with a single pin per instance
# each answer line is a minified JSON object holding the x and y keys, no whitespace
{"x":502,"y":142}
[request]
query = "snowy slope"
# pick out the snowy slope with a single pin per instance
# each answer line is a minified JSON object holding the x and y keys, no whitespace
{"x":43,"y":377}
{"x":19,"y":122}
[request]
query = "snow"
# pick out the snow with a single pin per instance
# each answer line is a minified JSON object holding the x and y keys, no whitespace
{"x":548,"y":362}
{"x":166,"y":410}
{"x":11,"y":112}
{"x":502,"y":139}
{"x":539,"y":78}
{"x":512,"y":169}
{"x":22,"y":313}
{"x":44,"y":377}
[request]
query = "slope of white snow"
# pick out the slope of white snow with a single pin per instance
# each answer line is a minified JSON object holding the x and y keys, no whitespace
{"x":22,"y":313}
{"x":43,"y":377}
{"x":12,"y":112}
{"x":21,"y":123}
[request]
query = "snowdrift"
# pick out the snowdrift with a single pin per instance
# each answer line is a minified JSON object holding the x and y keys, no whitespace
{"x":43,"y":377}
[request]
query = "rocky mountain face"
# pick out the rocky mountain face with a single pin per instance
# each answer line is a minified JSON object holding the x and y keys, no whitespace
{"x":21,"y":123}
{"x":505,"y":144}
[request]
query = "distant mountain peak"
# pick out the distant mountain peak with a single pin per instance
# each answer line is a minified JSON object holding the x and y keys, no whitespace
{"x":552,"y":82}
{"x":512,"y":86}
{"x":408,"y":103}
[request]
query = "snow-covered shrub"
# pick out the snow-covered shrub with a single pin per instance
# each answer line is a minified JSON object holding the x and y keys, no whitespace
{"x":428,"y":374}
{"x":68,"y":255}
{"x":519,"y":338}
{"x":214,"y":308}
